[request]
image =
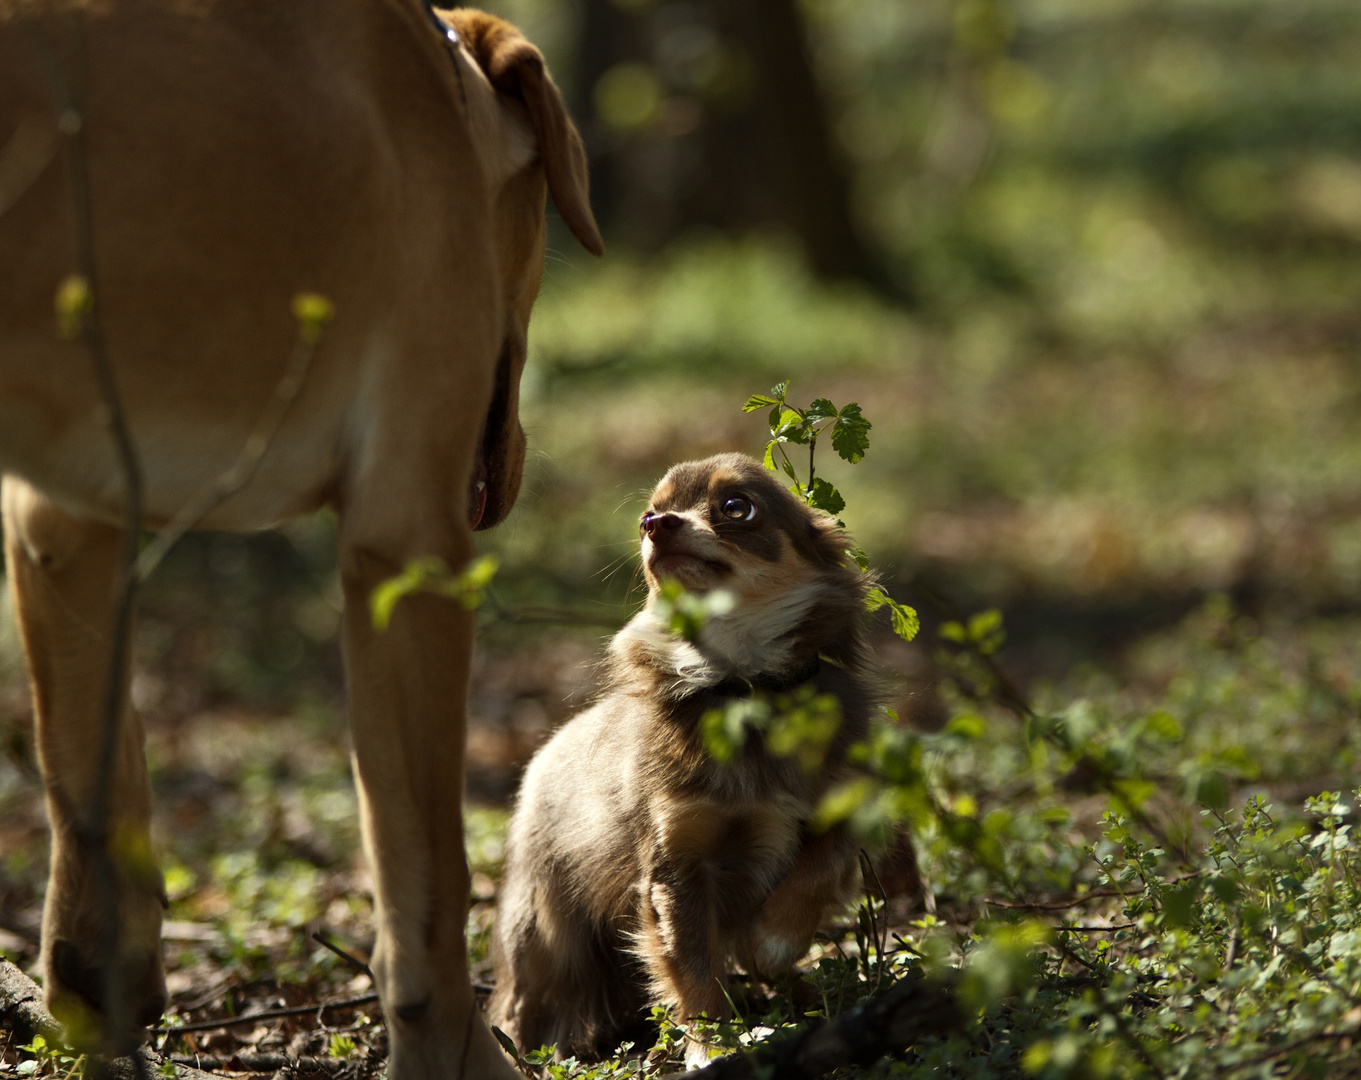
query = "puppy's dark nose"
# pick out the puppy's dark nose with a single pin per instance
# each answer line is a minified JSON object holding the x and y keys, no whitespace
{"x":660,"y":523}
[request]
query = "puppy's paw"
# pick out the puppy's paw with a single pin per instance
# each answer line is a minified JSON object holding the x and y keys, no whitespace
{"x":776,"y":953}
{"x":696,"y":1052}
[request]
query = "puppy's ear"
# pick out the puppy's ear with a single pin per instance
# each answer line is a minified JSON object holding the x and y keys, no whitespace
{"x":516,"y":68}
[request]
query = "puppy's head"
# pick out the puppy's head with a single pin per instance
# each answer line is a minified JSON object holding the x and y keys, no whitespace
{"x":728,"y":523}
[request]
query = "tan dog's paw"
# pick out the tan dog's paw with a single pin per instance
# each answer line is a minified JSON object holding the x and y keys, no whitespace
{"x":75,"y":994}
{"x":439,"y":1045}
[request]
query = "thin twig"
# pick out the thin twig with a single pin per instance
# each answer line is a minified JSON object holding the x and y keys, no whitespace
{"x":353,"y":961}
{"x":1287,"y":1048}
{"x":261,"y":1063}
{"x":867,"y":872}
{"x":1078,"y":959}
{"x":1076,"y":901}
{"x":24,"y":158}
{"x":1098,"y":929}
{"x":270,"y":1014}
{"x":94,"y":830}
{"x":247,"y":462}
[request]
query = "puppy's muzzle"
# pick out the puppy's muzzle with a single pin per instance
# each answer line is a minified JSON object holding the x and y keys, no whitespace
{"x":656,"y":527}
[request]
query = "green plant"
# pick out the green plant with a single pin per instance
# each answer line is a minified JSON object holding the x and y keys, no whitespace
{"x":430,"y":574}
{"x":49,"y":1060}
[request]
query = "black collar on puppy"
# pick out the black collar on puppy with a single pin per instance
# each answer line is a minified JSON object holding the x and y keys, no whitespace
{"x":739,"y":687}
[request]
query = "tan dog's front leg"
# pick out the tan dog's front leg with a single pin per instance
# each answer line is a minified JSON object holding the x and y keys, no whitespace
{"x":62,"y":575}
{"x":408,"y":701}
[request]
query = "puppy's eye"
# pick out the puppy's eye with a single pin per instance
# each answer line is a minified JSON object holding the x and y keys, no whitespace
{"x":738,"y":508}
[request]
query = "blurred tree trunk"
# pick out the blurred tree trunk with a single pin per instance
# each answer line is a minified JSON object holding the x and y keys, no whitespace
{"x":792,"y":158}
{"x":752,"y":150}
{"x":605,"y":39}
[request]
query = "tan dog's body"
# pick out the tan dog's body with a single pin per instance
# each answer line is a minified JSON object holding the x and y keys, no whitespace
{"x":637,"y":866}
{"x":241,"y":152}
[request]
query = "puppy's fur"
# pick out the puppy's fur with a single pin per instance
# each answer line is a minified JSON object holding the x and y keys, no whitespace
{"x":637,"y":866}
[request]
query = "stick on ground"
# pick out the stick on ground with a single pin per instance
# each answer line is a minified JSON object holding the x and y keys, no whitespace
{"x":913,"y":1008}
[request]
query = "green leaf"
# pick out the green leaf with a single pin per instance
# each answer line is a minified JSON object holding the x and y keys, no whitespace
{"x":313,"y":313}
{"x":821,"y":409}
{"x":1226,"y":889}
{"x":840,"y":803}
{"x":724,"y":730}
{"x":779,"y":390}
{"x":1212,"y":790}
{"x":685,"y":613}
{"x":1135,"y":792}
{"x":1165,"y":725}
{"x":74,"y":301}
{"x":769,"y":459}
{"x":430,"y":574}
{"x":986,"y":631}
{"x":342,"y":1046}
{"x":758,"y":401}
{"x":859,"y":557}
{"x":825,"y":497}
{"x":791,"y":428}
{"x":507,"y":1044}
{"x":905,"y":622}
{"x":1179,"y":905}
{"x":851,"y":434}
{"x":967,"y":726}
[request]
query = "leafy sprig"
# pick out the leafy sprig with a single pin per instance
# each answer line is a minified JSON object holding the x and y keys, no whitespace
{"x":431,"y":575}
{"x":847,"y":427}
{"x":849,"y":431}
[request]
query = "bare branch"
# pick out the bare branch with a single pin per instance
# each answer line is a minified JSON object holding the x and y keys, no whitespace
{"x":29,"y":151}
{"x":243,"y":469}
{"x":354,"y":961}
{"x":21,"y":1005}
{"x":269,"y":1014}
{"x":261,"y":1063}
{"x":95,"y":825}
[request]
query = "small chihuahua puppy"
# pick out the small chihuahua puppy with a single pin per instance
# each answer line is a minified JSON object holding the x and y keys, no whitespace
{"x":637,"y":867}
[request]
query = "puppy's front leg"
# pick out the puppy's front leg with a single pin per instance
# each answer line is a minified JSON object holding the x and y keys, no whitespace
{"x":680,"y":945}
{"x":823,"y":874}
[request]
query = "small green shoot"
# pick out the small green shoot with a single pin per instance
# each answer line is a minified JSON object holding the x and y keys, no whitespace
{"x":430,"y":574}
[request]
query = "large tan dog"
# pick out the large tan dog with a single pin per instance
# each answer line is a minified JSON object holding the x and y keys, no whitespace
{"x":242,"y":151}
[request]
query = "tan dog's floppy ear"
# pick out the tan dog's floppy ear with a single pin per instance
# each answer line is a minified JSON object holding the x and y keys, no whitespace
{"x":516,"y":68}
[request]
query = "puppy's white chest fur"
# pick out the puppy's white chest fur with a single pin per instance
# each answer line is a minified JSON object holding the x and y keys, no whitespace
{"x":752,"y":639}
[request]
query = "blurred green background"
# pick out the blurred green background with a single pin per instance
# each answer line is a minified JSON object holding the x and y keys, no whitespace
{"x":1090,"y":267}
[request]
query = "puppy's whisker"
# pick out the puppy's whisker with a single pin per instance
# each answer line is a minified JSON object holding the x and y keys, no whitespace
{"x":614,"y":566}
